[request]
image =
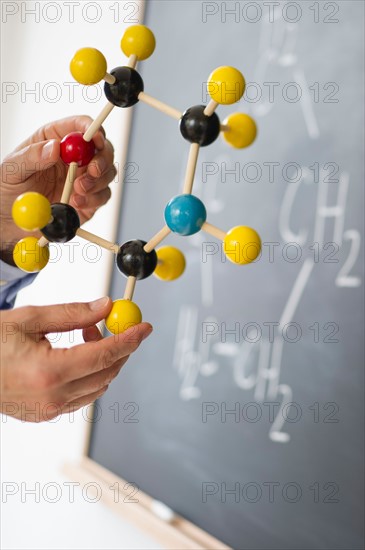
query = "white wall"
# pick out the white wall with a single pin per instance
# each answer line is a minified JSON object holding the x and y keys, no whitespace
{"x":36,"y":53}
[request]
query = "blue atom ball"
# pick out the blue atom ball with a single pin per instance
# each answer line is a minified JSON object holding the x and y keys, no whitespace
{"x":185,"y":214}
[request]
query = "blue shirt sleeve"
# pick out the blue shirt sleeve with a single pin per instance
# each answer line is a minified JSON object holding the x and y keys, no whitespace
{"x":12,"y":280}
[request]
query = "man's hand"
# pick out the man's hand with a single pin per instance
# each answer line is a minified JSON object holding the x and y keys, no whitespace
{"x":38,"y":382}
{"x":36,"y":165}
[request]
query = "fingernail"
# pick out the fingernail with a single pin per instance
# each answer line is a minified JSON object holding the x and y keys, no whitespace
{"x":47,"y":150}
{"x":100,"y":165}
{"x":99,"y":304}
{"x":79,"y":200}
{"x":96,"y":167}
{"x":147,"y":333}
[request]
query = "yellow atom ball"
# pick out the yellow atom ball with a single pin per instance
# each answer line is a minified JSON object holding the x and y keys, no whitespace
{"x":31,"y":211}
{"x":171,"y":263}
{"x":138,"y":40}
{"x":242,"y":245}
{"x":88,"y":66}
{"x":242,"y":130}
{"x":124,"y":314}
{"x":29,"y":256}
{"x":226,"y":85}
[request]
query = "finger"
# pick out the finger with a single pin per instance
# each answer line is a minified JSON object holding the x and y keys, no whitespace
{"x":99,"y":166}
{"x":85,"y":359}
{"x":40,"y":320}
{"x":22,"y":164}
{"x":93,"y":201}
{"x":91,"y":334}
{"x":60,"y":128}
{"x":75,"y":405}
{"x":85,"y":185}
{"x":92,"y":383}
{"x":101,"y":161}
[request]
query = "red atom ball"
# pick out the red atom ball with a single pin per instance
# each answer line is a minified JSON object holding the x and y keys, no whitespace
{"x":75,"y":149}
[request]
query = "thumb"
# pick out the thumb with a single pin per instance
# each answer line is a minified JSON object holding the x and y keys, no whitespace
{"x":65,"y":317}
{"x":20,"y":165}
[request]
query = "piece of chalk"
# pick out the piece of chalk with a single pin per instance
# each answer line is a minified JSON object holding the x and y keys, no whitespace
{"x":162,"y":511}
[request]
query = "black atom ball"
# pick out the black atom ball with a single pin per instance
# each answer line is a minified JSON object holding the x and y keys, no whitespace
{"x":132,"y":260}
{"x":197,"y":127}
{"x":64,"y":225}
{"x":124,"y":92}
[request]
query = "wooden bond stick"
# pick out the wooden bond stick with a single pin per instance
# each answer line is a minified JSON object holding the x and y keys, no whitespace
{"x":94,"y":126}
{"x":211,"y":107}
{"x":97,"y":240}
{"x":109,"y":78}
{"x":225,"y":128}
{"x":157,"y":104}
{"x":69,"y":183}
{"x":159,"y":237}
{"x":132,"y":61}
{"x":214,"y":231}
{"x":129,"y":288}
{"x":43,"y":242}
{"x":191,"y":167}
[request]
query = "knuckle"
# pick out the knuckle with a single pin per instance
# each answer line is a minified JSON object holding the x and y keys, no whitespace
{"x":118,"y":353}
{"x":85,"y":118}
{"x":30,"y":312}
{"x":27,"y":152}
{"x":134,"y":344}
{"x":107,"y":358}
{"x":95,"y":165}
{"x":72,"y":311}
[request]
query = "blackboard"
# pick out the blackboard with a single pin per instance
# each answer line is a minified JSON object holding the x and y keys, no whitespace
{"x":243,"y":412}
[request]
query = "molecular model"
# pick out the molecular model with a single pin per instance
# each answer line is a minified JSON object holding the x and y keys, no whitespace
{"x":185,"y":214}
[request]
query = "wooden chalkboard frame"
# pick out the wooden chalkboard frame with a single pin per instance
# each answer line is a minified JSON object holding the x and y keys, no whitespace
{"x":179,"y":534}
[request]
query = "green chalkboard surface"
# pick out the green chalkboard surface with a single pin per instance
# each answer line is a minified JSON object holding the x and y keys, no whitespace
{"x":243,"y":412}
